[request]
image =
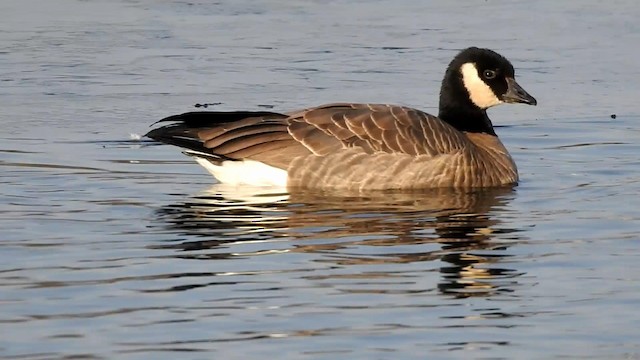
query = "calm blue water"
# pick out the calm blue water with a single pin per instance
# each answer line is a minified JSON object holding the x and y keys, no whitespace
{"x":116,"y":247}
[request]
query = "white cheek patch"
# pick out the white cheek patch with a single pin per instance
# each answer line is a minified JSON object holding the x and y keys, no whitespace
{"x":479,"y":92}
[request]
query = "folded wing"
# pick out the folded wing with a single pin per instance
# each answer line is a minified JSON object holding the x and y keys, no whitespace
{"x":374,"y":127}
{"x":276,"y":139}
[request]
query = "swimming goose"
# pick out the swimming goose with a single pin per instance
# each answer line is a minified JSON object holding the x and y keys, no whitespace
{"x":364,"y":146}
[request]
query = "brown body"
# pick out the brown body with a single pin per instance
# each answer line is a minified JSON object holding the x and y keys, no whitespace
{"x":363,"y":147}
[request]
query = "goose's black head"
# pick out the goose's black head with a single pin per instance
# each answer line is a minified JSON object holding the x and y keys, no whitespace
{"x":476,"y":80}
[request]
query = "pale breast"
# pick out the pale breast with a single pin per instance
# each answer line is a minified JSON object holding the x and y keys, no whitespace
{"x":486,"y":164}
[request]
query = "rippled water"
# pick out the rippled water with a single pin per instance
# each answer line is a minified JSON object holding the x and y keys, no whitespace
{"x":116,"y":247}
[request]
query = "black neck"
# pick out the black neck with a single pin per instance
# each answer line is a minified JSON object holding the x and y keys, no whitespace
{"x":457,"y":109}
{"x":467,"y":119}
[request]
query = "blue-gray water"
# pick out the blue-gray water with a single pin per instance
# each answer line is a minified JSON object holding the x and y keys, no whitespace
{"x":112,"y":247}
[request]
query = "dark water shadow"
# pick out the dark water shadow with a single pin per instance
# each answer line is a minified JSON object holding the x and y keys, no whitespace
{"x":462,"y":229}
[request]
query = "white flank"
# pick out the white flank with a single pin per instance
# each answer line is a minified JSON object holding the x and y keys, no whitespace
{"x":479,"y":92}
{"x":246,"y":172}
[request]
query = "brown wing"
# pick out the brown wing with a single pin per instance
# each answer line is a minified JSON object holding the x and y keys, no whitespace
{"x":219,"y":136}
{"x":374,"y":127}
{"x":260,"y":139}
{"x":277,"y":139}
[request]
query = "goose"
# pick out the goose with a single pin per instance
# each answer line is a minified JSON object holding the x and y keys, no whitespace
{"x":359,"y":146}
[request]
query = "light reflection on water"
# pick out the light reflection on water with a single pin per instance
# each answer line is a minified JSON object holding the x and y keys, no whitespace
{"x":453,"y":227}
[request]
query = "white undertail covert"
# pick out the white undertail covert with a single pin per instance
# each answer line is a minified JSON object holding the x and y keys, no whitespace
{"x":245,"y":172}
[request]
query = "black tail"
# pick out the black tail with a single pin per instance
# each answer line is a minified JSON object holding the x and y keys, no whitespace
{"x":200,"y":119}
{"x":179,"y":135}
{"x":184,"y":130}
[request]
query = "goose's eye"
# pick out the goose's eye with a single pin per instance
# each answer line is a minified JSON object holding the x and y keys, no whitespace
{"x":489,"y":74}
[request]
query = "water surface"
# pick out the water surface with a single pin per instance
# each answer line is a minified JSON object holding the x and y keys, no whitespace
{"x":116,"y":247}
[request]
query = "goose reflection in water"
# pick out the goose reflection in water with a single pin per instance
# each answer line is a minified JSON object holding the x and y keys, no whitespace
{"x":459,"y":228}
